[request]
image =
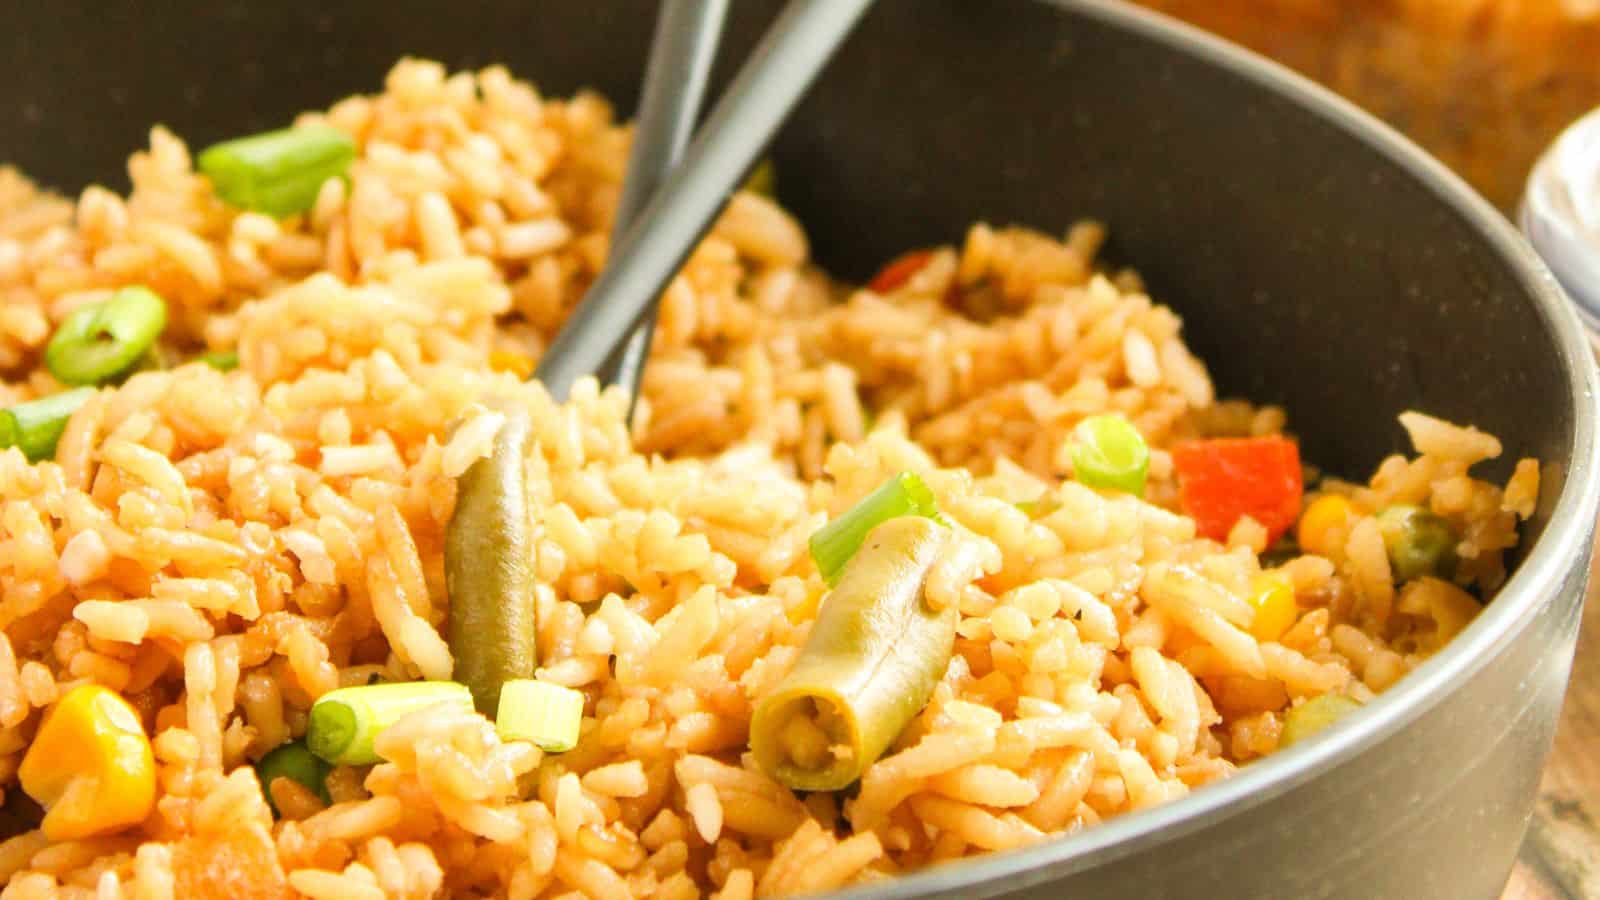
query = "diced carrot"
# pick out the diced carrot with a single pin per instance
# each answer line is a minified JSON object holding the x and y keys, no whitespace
{"x":1225,"y":479}
{"x":241,"y":865}
{"x":899,"y":271}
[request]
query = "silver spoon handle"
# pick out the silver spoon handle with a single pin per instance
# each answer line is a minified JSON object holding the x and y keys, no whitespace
{"x":784,"y":65}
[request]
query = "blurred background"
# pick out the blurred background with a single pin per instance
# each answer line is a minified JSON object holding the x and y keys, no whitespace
{"x":1483,"y":84}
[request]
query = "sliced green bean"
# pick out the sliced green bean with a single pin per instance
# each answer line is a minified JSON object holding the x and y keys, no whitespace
{"x":100,"y":341}
{"x":35,"y":427}
{"x":488,"y":559}
{"x":869,"y":665}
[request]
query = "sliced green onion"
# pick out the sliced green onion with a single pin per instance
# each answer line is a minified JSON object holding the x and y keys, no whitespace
{"x":35,"y":427}
{"x":100,"y":341}
{"x":222,"y":360}
{"x":345,"y":722}
{"x":546,"y":714}
{"x":278,"y":173}
{"x":1313,"y":716}
{"x":1109,"y":453}
{"x":294,"y":762}
{"x":834,"y":543}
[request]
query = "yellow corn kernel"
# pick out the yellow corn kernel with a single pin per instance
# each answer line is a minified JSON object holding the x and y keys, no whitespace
{"x":90,"y":766}
{"x":518,"y":364}
{"x":1276,"y":610}
{"x":1324,"y":524}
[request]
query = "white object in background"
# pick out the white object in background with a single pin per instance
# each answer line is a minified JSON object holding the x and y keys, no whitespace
{"x":1561,"y":214}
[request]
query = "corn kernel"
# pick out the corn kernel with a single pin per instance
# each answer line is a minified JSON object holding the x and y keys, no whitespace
{"x":1276,"y":610}
{"x":90,"y":766}
{"x":518,"y":364}
{"x":1324,"y":524}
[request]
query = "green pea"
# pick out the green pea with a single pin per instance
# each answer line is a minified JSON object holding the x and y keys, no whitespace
{"x":1418,"y":542}
{"x":294,"y":762}
{"x":100,"y":341}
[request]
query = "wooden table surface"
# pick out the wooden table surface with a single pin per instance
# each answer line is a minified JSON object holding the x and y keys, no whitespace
{"x":1560,"y":857}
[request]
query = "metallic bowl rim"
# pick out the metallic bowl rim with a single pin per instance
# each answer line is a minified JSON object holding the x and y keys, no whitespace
{"x":1533,"y":585}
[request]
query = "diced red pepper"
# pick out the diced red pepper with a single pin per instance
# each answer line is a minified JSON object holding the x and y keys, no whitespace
{"x":899,"y":271}
{"x":1222,"y":480}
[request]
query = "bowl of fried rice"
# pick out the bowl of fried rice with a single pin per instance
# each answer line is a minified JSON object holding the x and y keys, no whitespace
{"x":1082,"y":459}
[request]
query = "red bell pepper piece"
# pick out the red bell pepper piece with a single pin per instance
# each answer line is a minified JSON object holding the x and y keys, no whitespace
{"x":899,"y":271}
{"x":1224,"y":479}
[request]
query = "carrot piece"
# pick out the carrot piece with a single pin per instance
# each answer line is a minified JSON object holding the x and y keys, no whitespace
{"x":899,"y":271}
{"x":240,"y":865}
{"x":1225,"y":479}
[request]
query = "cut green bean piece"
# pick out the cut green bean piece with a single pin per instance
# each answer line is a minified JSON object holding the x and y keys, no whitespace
{"x":345,"y":722}
{"x":98,"y":342}
{"x":835,"y":543}
{"x":549,"y":715}
{"x":1418,"y":542}
{"x":488,"y":568}
{"x":1313,"y":716}
{"x":296,"y":763}
{"x":35,"y":427}
{"x":221,"y":360}
{"x":869,"y":665}
{"x":1108,"y":453}
{"x":278,"y":173}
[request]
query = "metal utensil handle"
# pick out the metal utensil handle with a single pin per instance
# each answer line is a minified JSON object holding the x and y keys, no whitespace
{"x":790,"y":56}
{"x":681,"y":53}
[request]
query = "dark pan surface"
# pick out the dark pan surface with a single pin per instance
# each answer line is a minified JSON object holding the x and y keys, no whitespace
{"x":1318,"y":261}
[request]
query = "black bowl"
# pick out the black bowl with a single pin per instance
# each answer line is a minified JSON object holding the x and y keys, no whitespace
{"x":1319,"y":261}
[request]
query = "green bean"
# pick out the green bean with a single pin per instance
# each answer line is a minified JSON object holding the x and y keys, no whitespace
{"x":489,"y":568}
{"x":35,"y":427}
{"x":296,"y":763}
{"x":98,"y":342}
{"x":1418,"y":542}
{"x":278,"y":173}
{"x":869,"y":665}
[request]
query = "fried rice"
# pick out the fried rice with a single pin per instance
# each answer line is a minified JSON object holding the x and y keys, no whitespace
{"x":222,"y":548}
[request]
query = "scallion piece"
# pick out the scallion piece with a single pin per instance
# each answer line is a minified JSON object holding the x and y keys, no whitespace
{"x":278,"y":173}
{"x":1313,"y":716}
{"x":97,"y":342}
{"x":35,"y":427}
{"x":345,"y":722}
{"x":221,"y":360}
{"x":546,"y":714}
{"x":834,"y":543}
{"x":294,"y":762}
{"x":1109,"y":453}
